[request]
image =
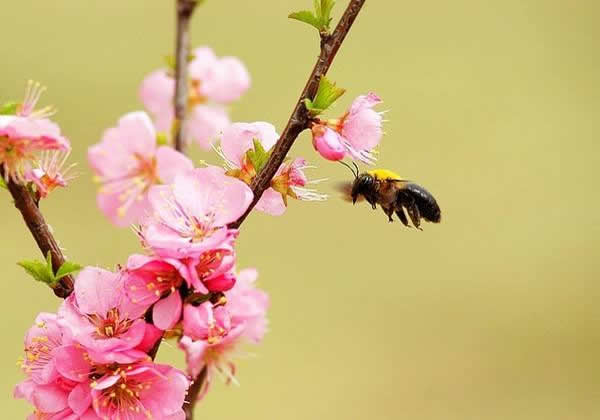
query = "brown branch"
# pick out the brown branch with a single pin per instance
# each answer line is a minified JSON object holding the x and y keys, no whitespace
{"x":192,"y":394}
{"x":185,"y":9}
{"x":299,"y":120}
{"x":38,"y":227}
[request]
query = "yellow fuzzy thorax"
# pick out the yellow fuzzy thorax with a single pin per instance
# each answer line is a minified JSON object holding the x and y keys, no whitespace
{"x":384,"y":174}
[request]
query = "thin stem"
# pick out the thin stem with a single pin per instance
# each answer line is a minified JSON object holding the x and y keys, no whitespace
{"x":38,"y":227}
{"x":185,"y":9}
{"x":299,"y":120}
{"x":192,"y":395}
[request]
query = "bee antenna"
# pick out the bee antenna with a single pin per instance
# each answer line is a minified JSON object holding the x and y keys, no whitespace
{"x":357,"y":169}
{"x":349,"y":167}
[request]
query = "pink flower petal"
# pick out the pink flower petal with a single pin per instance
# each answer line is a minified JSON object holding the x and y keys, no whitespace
{"x":170,"y":162}
{"x":238,"y":139}
{"x":167,"y":311}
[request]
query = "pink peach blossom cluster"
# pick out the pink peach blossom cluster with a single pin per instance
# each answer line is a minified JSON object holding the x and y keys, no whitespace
{"x":214,"y":82}
{"x":90,"y":360}
{"x":32,"y":148}
{"x":238,"y":142}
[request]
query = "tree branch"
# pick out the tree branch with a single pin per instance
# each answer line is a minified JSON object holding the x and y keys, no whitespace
{"x":38,"y":227}
{"x":299,"y":120}
{"x":192,"y":395}
{"x":185,"y":9}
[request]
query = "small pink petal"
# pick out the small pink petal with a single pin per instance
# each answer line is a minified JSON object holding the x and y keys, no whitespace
{"x":167,"y":311}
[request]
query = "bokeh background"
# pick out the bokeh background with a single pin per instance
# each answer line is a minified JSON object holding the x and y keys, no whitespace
{"x":493,"y":106}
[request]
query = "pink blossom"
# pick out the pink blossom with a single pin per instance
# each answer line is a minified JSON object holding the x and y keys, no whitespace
{"x":141,"y":391}
{"x":190,"y":216}
{"x":127,"y":163}
{"x":154,"y":281}
{"x":213,"y":81}
{"x":328,"y":143}
{"x":101,"y":317}
{"x":27,"y":133}
{"x":212,"y":270}
{"x":58,"y":400}
{"x":360,"y":128}
{"x":206,"y":322}
{"x":222,"y":80}
{"x":212,"y":343}
{"x":238,"y":140}
{"x":50,"y":172}
{"x":134,"y":391}
{"x":41,"y":341}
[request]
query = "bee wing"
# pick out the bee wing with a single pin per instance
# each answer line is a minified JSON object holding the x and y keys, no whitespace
{"x":345,"y":190}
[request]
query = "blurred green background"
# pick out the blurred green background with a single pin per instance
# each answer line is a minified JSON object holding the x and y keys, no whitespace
{"x":493,"y":106}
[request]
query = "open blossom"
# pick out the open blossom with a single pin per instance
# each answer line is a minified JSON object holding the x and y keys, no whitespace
{"x":155,"y":281}
{"x":142,"y":390}
{"x":41,"y":342}
{"x":49,"y":172}
{"x":213,"y":82}
{"x":27,"y":133}
{"x":100,"y":316}
{"x":355,"y":134}
{"x":55,"y":400}
{"x":290,"y":181}
{"x":213,"y":335}
{"x":127,"y":163}
{"x":190,"y":217}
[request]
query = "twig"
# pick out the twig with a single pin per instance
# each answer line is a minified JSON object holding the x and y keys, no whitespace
{"x":330,"y":44}
{"x":185,"y":9}
{"x":41,"y":233}
{"x":192,"y":395}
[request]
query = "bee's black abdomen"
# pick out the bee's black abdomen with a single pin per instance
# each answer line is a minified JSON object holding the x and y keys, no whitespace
{"x":428,"y":207}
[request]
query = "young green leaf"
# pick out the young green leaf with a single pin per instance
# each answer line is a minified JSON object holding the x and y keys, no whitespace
{"x":325,"y":13}
{"x":312,"y":109}
{"x":9,"y":108}
{"x":306,"y":16}
{"x":67,"y":268}
{"x":3,"y":183}
{"x":258,"y":156}
{"x":327,"y":94}
{"x":39,"y":271}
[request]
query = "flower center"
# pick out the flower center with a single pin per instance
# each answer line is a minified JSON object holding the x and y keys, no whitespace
{"x":123,"y":398}
{"x":111,"y":325}
{"x":166,"y":282}
{"x":194,"y":97}
{"x":209,"y":262}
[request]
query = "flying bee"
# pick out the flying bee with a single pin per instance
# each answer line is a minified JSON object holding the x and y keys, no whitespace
{"x":394,"y":195}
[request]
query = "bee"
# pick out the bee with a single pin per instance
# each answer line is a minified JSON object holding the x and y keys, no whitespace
{"x":394,"y":195}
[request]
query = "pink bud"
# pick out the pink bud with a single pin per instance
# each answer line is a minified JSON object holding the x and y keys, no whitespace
{"x":328,"y":143}
{"x":220,"y":283}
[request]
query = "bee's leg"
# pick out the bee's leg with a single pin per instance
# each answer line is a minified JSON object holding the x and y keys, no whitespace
{"x":414,"y":214}
{"x":411,"y":207}
{"x":388,"y":212}
{"x":402,"y":216}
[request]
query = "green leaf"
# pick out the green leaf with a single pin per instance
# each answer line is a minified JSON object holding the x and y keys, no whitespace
{"x":3,"y":183}
{"x":306,"y":16}
{"x":67,"y":269}
{"x":327,"y":94}
{"x":39,"y":271}
{"x":320,"y":18}
{"x":9,"y":108}
{"x":314,"y":111}
{"x":325,"y":13}
{"x":259,"y":156}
